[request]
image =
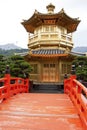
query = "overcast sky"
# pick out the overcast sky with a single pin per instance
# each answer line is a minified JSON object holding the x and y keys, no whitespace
{"x":12,"y":12}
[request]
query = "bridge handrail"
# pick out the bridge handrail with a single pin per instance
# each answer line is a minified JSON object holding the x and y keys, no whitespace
{"x":78,"y":95}
{"x":81,"y":87}
{"x":9,"y":88}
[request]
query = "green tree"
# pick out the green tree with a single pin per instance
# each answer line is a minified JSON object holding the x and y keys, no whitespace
{"x":18,"y":66}
{"x":81,"y":67}
{"x":3,"y":62}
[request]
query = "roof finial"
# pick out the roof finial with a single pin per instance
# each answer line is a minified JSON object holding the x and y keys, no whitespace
{"x":36,"y":12}
{"x":62,"y":10}
{"x":50,"y":8}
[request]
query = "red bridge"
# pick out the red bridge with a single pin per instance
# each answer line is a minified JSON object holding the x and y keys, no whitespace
{"x":21,"y":110}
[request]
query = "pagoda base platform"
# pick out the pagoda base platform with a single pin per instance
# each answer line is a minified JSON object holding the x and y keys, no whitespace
{"x":47,"y":88}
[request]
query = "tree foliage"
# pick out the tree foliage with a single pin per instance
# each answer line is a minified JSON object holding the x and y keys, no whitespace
{"x":18,"y":66}
{"x":81,"y":67}
{"x":3,"y":62}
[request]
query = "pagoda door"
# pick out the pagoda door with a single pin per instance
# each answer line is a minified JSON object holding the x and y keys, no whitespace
{"x":49,"y":73}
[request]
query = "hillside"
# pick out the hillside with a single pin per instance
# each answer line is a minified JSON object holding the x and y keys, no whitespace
{"x":9,"y":46}
{"x":11,"y":49}
{"x":81,"y":49}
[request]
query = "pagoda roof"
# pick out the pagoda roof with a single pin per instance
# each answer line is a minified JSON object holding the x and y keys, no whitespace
{"x":47,"y":53}
{"x":60,"y":18}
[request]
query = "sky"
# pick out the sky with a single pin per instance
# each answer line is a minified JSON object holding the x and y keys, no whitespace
{"x":12,"y":13}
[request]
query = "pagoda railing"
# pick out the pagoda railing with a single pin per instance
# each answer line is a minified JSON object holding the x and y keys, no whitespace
{"x":78,"y":95}
{"x":11,"y":86}
{"x":49,"y":36}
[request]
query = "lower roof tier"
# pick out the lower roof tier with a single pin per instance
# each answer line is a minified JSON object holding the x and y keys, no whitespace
{"x":47,"y":53}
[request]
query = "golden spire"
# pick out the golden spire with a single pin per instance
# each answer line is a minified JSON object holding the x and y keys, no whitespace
{"x":50,"y":8}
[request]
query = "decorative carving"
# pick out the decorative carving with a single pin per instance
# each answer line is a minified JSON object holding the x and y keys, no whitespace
{"x":36,"y":12}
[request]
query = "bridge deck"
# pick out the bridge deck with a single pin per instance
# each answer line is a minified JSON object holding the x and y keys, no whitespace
{"x":39,"y":112}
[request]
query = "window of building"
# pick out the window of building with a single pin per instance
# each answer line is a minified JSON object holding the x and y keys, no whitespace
{"x":52,"y":28}
{"x":47,"y":28}
{"x":52,"y":65}
{"x":46,"y":65}
{"x":66,"y":68}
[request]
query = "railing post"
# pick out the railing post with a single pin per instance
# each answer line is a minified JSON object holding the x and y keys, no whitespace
{"x":65,"y":78}
{"x":68,"y":84}
{"x":7,"y":82}
{"x":73,"y":76}
{"x":71,"y":80}
{"x":27,"y":84}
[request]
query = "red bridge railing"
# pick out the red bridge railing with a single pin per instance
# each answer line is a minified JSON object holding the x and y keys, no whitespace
{"x":10,"y":86}
{"x":78,"y":95}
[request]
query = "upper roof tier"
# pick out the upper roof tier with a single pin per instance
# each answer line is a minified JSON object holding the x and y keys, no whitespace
{"x":51,"y":18}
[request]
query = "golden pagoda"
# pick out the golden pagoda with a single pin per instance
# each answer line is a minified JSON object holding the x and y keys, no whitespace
{"x":50,"y":43}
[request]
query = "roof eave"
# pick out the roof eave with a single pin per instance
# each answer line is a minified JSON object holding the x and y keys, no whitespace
{"x":48,"y":55}
{"x":36,"y":20}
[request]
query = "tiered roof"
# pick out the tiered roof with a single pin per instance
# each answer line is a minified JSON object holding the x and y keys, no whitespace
{"x":47,"y":53}
{"x":60,"y":18}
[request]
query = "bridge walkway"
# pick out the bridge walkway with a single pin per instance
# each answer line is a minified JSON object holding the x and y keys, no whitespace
{"x":39,"y":111}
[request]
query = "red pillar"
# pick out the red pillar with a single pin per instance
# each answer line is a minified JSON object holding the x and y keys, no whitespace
{"x":68,"y":84}
{"x":27,"y":84}
{"x":7,"y":84}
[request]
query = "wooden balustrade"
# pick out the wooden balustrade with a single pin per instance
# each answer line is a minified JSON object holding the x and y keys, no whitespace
{"x":10,"y":86}
{"x":78,"y":95}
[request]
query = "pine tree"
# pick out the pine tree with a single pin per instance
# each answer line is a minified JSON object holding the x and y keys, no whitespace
{"x":81,"y":67}
{"x":18,"y":66}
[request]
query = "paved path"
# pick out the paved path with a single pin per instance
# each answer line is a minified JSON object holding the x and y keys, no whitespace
{"x":39,"y":112}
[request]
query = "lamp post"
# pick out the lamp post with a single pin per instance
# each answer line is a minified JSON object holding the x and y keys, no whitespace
{"x":7,"y":70}
{"x":81,"y":73}
{"x":65,"y":76}
{"x":73,"y":70}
